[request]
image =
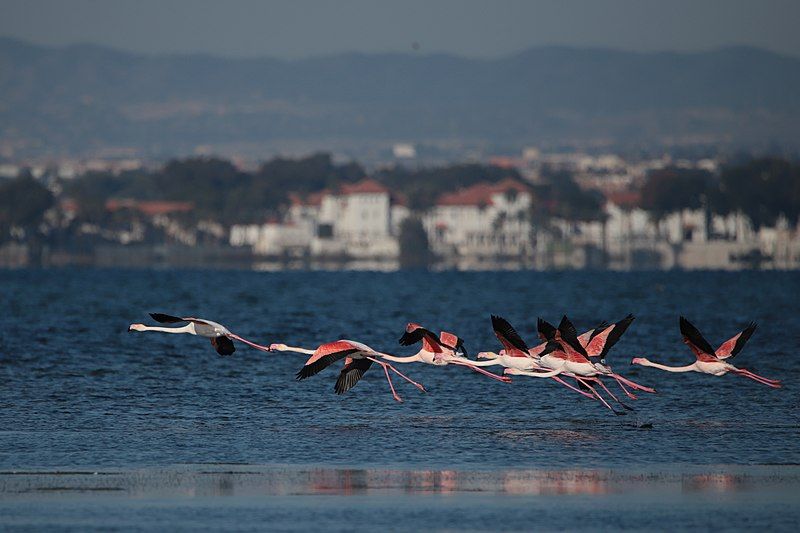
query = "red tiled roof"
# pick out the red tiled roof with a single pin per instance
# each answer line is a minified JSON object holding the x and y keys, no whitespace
{"x":625,"y":198}
{"x":481,"y":193}
{"x":366,"y":186}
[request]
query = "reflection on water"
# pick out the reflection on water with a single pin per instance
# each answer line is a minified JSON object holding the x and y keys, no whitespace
{"x":716,"y":483}
{"x":556,"y":482}
{"x":243,"y":480}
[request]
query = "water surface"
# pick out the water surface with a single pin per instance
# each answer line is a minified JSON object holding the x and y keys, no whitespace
{"x":79,"y":393}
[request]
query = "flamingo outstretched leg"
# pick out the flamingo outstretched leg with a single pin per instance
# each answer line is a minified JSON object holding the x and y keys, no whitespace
{"x":628,"y":393}
{"x":756,"y":377}
{"x":633,"y":384}
{"x":393,"y":369}
{"x":567,"y":385}
{"x":597,"y":395}
{"x":504,"y":379}
{"x":389,"y":379}
{"x":753,"y":374}
{"x":600,"y":381}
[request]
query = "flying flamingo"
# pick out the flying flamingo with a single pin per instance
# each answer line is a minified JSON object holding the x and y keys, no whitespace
{"x":358,"y":358}
{"x":601,"y":335}
{"x":516,"y":354}
{"x":221,"y":337}
{"x":710,"y":361}
{"x":571,"y":358}
{"x":597,"y":345}
{"x":435,"y":351}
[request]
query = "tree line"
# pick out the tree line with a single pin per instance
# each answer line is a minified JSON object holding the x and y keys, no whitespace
{"x":763,"y":189}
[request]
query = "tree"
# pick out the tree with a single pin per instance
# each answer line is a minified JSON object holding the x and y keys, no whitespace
{"x":763,"y":189}
{"x":673,"y":189}
{"x":563,"y":198}
{"x":23,"y":202}
{"x":415,"y":250}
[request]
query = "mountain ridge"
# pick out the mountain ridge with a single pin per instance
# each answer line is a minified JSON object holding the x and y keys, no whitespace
{"x":73,"y":98}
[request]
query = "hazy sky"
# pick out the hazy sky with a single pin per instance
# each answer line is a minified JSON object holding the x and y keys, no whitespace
{"x":298,"y":28}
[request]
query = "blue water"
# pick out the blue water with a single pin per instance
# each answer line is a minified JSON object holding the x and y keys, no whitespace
{"x":78,"y":392}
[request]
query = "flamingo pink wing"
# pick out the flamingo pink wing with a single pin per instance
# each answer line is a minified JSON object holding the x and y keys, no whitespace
{"x":734,"y":345}
{"x":537,"y":350}
{"x":431,"y":343}
{"x":325,"y":356}
{"x":595,"y":346}
{"x":512,"y":343}
{"x":696,"y":342}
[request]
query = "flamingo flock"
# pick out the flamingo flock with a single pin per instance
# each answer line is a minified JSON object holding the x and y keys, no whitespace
{"x":577,"y":362}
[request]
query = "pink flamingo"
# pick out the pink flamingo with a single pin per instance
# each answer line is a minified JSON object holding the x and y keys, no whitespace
{"x":436,"y":351}
{"x":221,"y":337}
{"x":571,"y":357}
{"x":516,"y":354}
{"x":708,"y":360}
{"x":597,"y":345}
{"x":358,"y":358}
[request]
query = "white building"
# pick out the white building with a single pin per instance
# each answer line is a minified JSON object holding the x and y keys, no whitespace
{"x":359,"y":220}
{"x":484,"y":220}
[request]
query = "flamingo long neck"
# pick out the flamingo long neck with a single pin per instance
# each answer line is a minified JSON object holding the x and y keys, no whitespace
{"x":295,"y":349}
{"x":188,"y":328}
{"x":482,"y":362}
{"x":396,"y":359}
{"x":687,"y":368}
{"x":540,"y":374}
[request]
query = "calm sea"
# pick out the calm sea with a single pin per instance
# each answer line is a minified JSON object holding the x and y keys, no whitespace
{"x":79,"y":394}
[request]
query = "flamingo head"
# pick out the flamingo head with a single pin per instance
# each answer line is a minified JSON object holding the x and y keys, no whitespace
{"x":487,"y":355}
{"x":638,"y":360}
{"x":274,"y":347}
{"x":136,"y":327}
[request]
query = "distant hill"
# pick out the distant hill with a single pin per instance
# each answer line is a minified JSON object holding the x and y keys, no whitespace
{"x":84,"y":97}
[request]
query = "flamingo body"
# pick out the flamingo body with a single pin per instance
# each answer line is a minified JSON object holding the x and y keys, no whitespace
{"x":708,"y":360}
{"x":221,"y":337}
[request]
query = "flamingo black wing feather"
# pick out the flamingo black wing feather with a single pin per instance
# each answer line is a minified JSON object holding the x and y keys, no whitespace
{"x":695,"y":337}
{"x":351,"y":374}
{"x":167,"y":319}
{"x":223,"y":345}
{"x":616,"y":333}
{"x":502,"y":328}
{"x":570,"y":335}
{"x":546,"y":330}
{"x":323,"y":362}
{"x":598,"y":329}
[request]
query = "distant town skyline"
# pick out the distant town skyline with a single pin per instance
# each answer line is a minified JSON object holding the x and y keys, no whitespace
{"x":472,"y":28}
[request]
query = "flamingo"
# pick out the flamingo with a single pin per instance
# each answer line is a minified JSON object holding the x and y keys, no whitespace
{"x":571,"y":357}
{"x":221,"y":337}
{"x":440,"y":351}
{"x":358,"y":358}
{"x":516,"y":354}
{"x":597,"y":345}
{"x":710,"y":361}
